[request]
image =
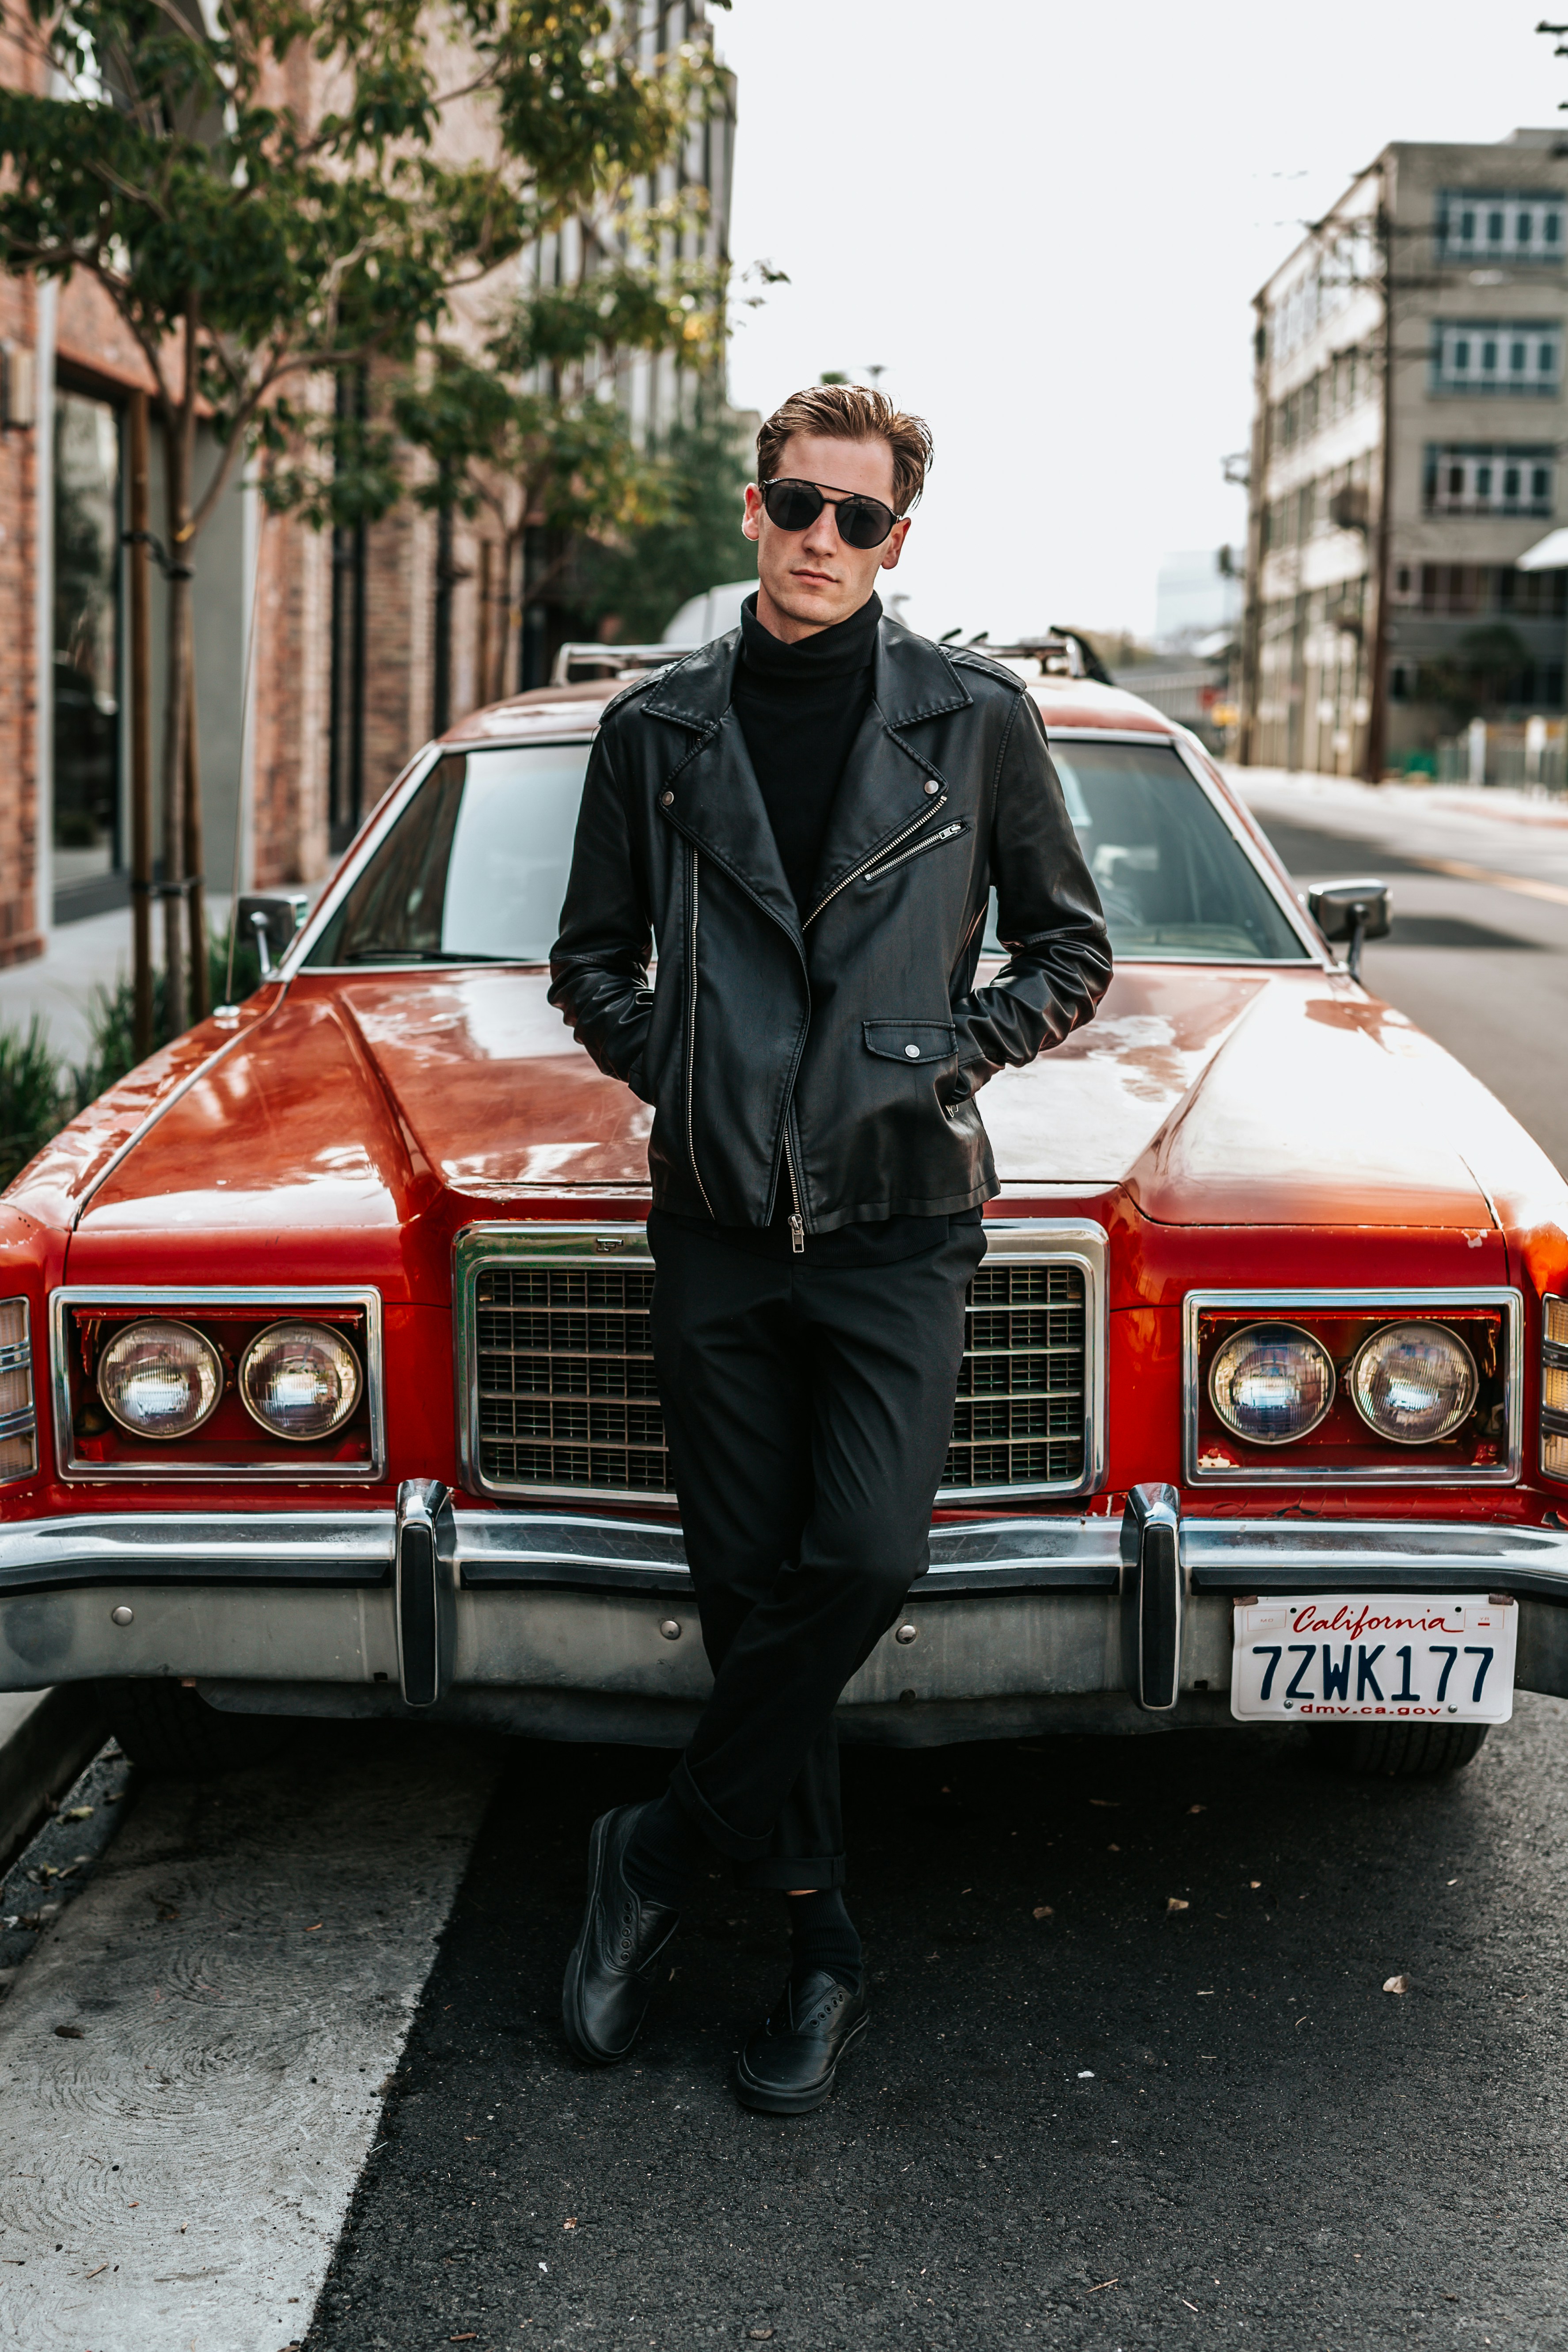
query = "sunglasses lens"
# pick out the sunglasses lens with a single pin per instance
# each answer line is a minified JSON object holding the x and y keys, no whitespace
{"x":864,"y":523}
{"x":793,"y":506}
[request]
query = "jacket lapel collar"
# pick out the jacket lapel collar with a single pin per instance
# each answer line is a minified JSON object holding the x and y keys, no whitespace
{"x":717,"y":803}
{"x":883,"y":792}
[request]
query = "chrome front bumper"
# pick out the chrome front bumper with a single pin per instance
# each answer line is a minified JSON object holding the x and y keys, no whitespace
{"x":579,"y":1627}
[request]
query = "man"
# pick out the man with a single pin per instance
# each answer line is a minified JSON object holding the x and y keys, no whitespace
{"x":808,"y":816}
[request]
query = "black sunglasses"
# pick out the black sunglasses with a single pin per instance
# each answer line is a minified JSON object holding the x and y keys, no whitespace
{"x":794,"y":506}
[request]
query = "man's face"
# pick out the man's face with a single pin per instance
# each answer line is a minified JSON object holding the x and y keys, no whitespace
{"x":809,"y":579}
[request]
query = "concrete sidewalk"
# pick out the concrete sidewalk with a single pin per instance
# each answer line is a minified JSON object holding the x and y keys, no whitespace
{"x":57,"y":986}
{"x":1501,"y":802}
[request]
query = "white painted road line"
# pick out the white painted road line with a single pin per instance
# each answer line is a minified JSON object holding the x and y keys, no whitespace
{"x":236,"y":1985}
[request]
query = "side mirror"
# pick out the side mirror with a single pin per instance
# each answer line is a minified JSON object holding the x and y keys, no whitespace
{"x":1356,"y":911}
{"x":271,"y":918}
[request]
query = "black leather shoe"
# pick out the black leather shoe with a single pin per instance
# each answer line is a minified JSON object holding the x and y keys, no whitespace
{"x":788,"y":2065}
{"x":614,"y":1967}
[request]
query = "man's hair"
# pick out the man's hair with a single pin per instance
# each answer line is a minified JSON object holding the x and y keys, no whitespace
{"x":849,"y":412}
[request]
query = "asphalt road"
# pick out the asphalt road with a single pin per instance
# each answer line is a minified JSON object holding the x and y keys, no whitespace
{"x":1082,"y":2117}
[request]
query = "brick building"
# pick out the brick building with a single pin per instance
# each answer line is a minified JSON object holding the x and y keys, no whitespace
{"x":360,"y":642}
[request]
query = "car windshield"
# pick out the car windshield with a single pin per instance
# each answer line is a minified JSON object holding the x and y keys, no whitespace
{"x":474,"y":870}
{"x":1176,"y":884}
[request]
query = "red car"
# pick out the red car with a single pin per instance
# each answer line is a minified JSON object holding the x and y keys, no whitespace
{"x":326,"y":1382}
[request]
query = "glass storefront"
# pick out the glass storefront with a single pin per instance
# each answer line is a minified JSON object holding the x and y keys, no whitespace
{"x":87,"y":851}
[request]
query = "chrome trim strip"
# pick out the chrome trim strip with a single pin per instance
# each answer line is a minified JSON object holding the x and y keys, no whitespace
{"x":492,"y":1550}
{"x":166,"y":1300}
{"x":1393,"y":1303}
{"x":1071,"y":1240}
{"x":20,"y":1423}
{"x":217,"y":1547}
{"x":18,"y":1358}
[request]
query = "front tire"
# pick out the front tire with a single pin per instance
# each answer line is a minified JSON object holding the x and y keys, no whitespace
{"x":1397,"y":1751}
{"x":172,"y":1733}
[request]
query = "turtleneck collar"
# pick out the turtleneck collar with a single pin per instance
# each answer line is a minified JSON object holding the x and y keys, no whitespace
{"x":839,"y":652}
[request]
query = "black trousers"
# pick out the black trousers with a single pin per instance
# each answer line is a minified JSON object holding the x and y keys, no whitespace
{"x":808,"y":1411}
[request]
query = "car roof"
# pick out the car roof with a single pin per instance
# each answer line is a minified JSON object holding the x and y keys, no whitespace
{"x":553,"y":710}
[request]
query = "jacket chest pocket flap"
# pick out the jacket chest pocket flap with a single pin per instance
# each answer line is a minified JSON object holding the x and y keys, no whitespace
{"x":910,"y":1041}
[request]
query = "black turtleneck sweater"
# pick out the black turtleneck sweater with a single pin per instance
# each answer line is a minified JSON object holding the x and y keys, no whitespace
{"x":800,"y":708}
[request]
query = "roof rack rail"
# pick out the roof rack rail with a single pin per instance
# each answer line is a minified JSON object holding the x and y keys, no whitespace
{"x":1060,"y":653}
{"x":575,"y":661}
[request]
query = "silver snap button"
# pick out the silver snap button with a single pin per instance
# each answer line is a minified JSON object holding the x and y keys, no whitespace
{"x":120,"y":1616}
{"x":907,"y":1634}
{"x":666,"y":800}
{"x":670,"y":1628}
{"x":913,"y":1052}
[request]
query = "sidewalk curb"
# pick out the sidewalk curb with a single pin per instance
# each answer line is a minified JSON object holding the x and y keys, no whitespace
{"x":42,"y":1750}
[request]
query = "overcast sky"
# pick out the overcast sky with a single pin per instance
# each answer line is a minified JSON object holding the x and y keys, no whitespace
{"x":1047,"y":222}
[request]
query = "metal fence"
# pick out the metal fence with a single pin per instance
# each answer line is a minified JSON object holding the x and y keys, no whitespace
{"x":1531,"y":756}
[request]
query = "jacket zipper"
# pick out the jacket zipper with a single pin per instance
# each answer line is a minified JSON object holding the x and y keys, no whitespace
{"x":796,"y":1222}
{"x":924,"y":818}
{"x":875,"y":873}
{"x":691,"y":1039}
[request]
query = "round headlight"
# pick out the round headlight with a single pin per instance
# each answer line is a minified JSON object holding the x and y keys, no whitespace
{"x":160,"y":1380}
{"x":1414,"y":1382}
{"x":1271,"y":1384}
{"x":299,"y":1381}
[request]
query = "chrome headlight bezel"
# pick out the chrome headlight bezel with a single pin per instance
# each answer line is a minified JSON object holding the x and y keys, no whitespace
{"x":1488,"y":1450}
{"x":317,"y":1332}
{"x":141,"y":1332}
{"x":1382,"y":1338}
{"x":219,"y":1453}
{"x":1281,"y":1334}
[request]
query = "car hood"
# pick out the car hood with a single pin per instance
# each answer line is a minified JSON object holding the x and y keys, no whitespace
{"x":333,"y":1129}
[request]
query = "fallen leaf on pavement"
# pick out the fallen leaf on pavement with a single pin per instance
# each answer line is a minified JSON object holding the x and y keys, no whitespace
{"x":1396,"y":1984}
{"x":1198,"y":1809}
{"x":69,"y":2032}
{"x":571,"y":2224}
{"x":1112,"y":1804}
{"x":1177,"y":1903}
{"x":1043,"y":1911}
{"x":76,"y":1814}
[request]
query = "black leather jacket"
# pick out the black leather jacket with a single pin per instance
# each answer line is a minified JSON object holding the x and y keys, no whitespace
{"x":838,"y":1056}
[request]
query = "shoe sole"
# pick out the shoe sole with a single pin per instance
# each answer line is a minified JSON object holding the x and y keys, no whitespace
{"x":762,"y":2101}
{"x":577,"y":2040}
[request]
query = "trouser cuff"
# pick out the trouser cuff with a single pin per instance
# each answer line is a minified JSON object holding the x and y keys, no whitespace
{"x":714,"y":1828}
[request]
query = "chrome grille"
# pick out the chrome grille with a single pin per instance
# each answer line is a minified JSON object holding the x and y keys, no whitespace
{"x":1019,"y":1421}
{"x":561,"y":1394}
{"x":566,"y":1394}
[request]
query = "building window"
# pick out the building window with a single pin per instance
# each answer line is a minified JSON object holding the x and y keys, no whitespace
{"x":1524,"y":358}
{"x":85,"y":692}
{"x":1474,"y":591}
{"x":1526,"y":226}
{"x":1472,"y":478}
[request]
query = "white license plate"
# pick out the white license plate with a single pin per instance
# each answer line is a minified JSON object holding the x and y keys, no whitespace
{"x":1396,"y":1657}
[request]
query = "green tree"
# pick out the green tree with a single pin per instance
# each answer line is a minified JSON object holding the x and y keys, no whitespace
{"x":254,"y":246}
{"x":641,"y":580}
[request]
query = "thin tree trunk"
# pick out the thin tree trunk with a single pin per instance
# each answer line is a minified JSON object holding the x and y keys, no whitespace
{"x":196,"y":881}
{"x":179,"y":434}
{"x":140,"y":735}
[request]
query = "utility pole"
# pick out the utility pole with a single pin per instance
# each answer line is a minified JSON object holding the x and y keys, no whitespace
{"x":141,"y":734}
{"x":1377,"y":721}
{"x":1256,"y":502}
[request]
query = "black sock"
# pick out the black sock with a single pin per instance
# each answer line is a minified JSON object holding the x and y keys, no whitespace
{"x":823,"y":1936}
{"x":668,"y":1857}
